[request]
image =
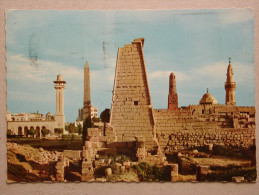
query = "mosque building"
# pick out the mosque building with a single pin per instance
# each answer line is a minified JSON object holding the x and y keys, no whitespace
{"x":20,"y":123}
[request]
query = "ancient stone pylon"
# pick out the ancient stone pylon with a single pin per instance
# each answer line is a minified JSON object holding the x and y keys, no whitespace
{"x":131,"y":111}
{"x":230,"y":86}
{"x":172,"y":96}
{"x":87,"y":97}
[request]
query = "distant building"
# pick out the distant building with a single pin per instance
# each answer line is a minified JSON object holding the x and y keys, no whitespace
{"x":88,"y":109}
{"x":20,"y":123}
{"x":94,"y":112}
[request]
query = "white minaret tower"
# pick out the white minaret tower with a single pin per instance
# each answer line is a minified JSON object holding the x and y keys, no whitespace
{"x":230,"y":86}
{"x":60,"y":86}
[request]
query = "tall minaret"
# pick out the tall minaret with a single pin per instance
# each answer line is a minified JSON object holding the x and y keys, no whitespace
{"x":172,"y":96}
{"x":87,"y":98}
{"x":60,"y":86}
{"x":230,"y":86}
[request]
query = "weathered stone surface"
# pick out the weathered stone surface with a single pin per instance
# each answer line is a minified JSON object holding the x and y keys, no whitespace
{"x":238,"y":179}
{"x":201,"y":172}
{"x":123,"y":168}
{"x":73,"y":154}
{"x":131,"y":97}
{"x":108,"y":171}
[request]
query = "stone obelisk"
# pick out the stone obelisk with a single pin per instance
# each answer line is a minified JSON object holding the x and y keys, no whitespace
{"x":87,"y":99}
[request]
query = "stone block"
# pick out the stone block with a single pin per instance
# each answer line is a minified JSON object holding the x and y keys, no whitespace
{"x":100,"y":180}
{"x":60,"y":171}
{"x":123,"y":168}
{"x":126,"y":163}
{"x":96,"y":144}
{"x":72,"y":154}
{"x":201,"y":172}
{"x":238,"y":179}
{"x":108,"y":171}
{"x":88,"y":144}
{"x":174,"y":178}
{"x":87,"y":164}
{"x":60,"y":165}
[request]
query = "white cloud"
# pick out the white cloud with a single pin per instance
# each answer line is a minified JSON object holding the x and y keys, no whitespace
{"x":217,"y":71}
{"x":22,"y":69}
{"x":23,"y":96}
{"x":165,"y":74}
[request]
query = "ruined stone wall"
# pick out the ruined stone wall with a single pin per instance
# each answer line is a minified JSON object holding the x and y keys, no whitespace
{"x":131,"y":111}
{"x":228,"y":137}
{"x":177,"y":130}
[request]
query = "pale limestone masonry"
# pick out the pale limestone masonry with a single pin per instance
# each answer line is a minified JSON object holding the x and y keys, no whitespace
{"x":89,"y":152}
{"x":201,"y":172}
{"x":131,"y":111}
{"x":172,"y":129}
{"x":227,"y":125}
{"x":60,"y":169}
{"x":174,"y":172}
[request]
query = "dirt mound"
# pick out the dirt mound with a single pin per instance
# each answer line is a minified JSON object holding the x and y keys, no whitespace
{"x":27,"y":153}
{"x":28,"y":164}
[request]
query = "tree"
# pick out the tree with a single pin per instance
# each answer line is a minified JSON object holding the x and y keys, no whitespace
{"x":105,"y":116}
{"x":44,"y":132}
{"x":58,"y":130}
{"x":71,"y":128}
{"x":9,"y":132}
{"x":87,"y":124}
{"x":79,"y":128}
{"x":31,"y":132}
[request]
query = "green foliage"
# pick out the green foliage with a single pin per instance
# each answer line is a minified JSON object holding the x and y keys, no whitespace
{"x":87,"y":124}
{"x":128,"y":176}
{"x":122,"y":158}
{"x":105,"y":116}
{"x":248,"y":173}
{"x":147,"y":172}
{"x":44,"y":132}
{"x":79,"y":129}
{"x":70,"y":128}
{"x":9,"y":132}
{"x":31,"y":132}
{"x":58,"y":130}
{"x":69,"y":136}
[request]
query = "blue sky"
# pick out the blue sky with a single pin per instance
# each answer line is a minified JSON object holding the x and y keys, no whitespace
{"x":195,"y":44}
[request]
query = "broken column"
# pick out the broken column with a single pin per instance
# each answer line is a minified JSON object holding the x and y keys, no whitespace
{"x":174,"y":172}
{"x":87,"y":170}
{"x":60,"y":169}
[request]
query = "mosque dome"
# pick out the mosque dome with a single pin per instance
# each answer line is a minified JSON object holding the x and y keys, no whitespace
{"x":207,"y":98}
{"x":49,"y":114}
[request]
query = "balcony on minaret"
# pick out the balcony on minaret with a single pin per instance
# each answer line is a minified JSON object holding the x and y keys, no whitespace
{"x":59,"y":80}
